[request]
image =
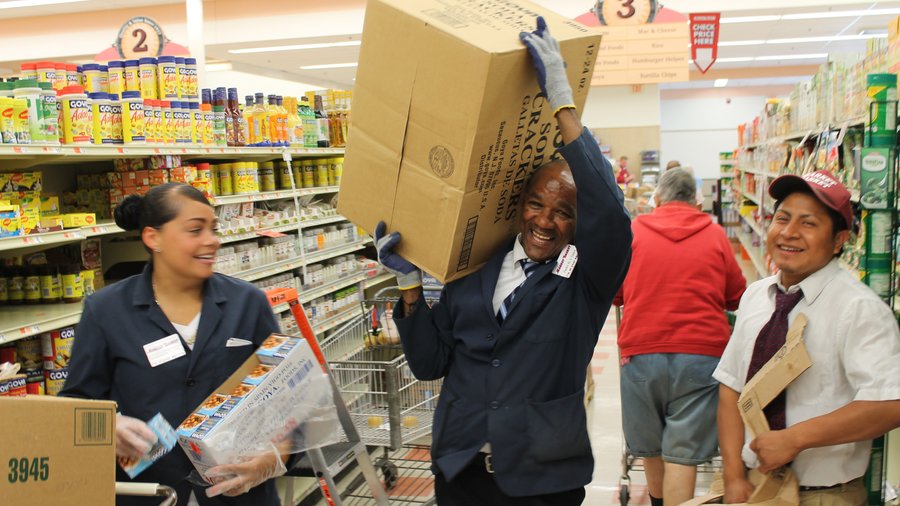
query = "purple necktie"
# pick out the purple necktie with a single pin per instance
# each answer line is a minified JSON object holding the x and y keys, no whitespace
{"x":768,"y":342}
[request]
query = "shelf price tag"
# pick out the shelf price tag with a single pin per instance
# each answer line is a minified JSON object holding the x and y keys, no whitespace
{"x":19,"y":149}
{"x":29,"y":330}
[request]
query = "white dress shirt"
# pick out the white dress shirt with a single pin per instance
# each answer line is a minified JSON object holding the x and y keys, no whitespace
{"x":853,"y":341}
{"x":511,"y":273}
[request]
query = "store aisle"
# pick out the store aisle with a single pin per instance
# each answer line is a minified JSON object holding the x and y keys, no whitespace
{"x":605,"y":425}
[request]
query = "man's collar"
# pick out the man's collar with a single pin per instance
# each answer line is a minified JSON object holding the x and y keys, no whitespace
{"x":519,"y":250}
{"x":812,"y":285}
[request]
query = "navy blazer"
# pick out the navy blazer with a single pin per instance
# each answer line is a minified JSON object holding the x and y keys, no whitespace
{"x":108,"y":362}
{"x":520,"y":385}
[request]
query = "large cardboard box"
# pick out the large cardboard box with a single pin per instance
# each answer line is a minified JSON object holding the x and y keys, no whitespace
{"x":57,"y":451}
{"x":448,"y":123}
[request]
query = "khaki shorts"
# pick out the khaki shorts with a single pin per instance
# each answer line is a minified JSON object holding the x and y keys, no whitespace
{"x":852,"y":493}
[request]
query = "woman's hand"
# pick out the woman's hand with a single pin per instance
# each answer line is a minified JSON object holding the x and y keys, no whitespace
{"x":237,"y":479}
{"x":133,"y":437}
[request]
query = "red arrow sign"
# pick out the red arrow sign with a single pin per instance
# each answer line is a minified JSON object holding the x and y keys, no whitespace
{"x":704,"y":39}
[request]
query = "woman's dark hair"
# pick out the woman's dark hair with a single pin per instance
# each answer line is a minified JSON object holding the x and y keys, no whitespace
{"x":158,"y":207}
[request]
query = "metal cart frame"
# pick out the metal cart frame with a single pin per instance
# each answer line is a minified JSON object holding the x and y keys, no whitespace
{"x":148,"y":490}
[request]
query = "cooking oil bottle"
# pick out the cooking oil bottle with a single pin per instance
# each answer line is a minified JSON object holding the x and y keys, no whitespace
{"x":274,"y":118}
{"x":261,"y":122}
{"x":283,"y":121}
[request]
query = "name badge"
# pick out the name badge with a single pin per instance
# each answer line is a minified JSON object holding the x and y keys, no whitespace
{"x":566,"y":261}
{"x":164,"y":350}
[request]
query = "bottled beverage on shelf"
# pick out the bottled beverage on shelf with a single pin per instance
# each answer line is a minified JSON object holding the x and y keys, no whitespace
{"x":295,"y":126}
{"x":250,"y":122}
{"x":261,"y":121}
{"x":310,"y":124}
{"x":239,"y":126}
{"x":274,"y":117}
{"x":220,"y":126}
{"x":323,"y":140}
{"x":335,"y":122}
{"x":284,"y":121}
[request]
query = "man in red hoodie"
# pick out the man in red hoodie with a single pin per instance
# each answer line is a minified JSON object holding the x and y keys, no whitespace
{"x":683,"y":276}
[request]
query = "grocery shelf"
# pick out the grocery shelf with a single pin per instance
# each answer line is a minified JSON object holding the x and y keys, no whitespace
{"x":854,"y":195}
{"x":280,"y":266}
{"x":59,"y":237}
{"x":18,"y":322}
{"x":377,"y":280}
{"x":753,"y":252}
{"x":290,"y":227}
{"x":756,"y":227}
{"x":315,"y":293}
{"x":808,"y":132}
{"x":274,"y":195}
{"x":750,"y":197}
{"x":334,"y":321}
{"x":322,"y":221}
{"x":43,"y":154}
{"x":317,"y":256}
{"x":759,"y":172}
{"x":253,"y":234}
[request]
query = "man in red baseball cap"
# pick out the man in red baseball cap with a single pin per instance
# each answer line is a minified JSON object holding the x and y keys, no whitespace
{"x":823,"y":424}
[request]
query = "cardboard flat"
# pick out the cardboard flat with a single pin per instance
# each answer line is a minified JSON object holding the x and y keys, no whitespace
{"x":449,"y":122}
{"x":65,"y":444}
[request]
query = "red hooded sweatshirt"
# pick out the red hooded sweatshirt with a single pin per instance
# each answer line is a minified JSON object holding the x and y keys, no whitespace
{"x":683,"y":276}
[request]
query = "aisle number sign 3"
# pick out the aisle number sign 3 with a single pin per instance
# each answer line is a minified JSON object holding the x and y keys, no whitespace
{"x":704,"y":39}
{"x":140,"y":37}
{"x":626,"y":12}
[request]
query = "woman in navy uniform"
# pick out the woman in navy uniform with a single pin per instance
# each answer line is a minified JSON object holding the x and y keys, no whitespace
{"x":202,"y":327}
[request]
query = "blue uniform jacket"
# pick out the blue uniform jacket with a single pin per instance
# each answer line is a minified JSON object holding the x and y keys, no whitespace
{"x":108,"y":362}
{"x":521,"y":385}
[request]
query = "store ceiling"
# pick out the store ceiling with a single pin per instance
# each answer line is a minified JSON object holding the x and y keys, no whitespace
{"x":759,"y":49}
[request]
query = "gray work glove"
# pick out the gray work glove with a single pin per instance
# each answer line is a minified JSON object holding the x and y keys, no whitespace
{"x":549,"y":64}
{"x":408,"y":275}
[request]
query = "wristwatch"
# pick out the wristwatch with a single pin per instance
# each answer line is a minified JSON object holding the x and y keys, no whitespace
{"x":626,"y":12}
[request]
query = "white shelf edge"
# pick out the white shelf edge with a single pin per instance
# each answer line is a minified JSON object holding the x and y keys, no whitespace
{"x":755,"y":227}
{"x":322,"y":221}
{"x":63,"y":315}
{"x":243,"y":198}
{"x":753,"y":252}
{"x":253,"y":234}
{"x":59,"y":237}
{"x":334,"y":321}
{"x":315,"y":293}
{"x":381,"y":278}
{"x":264,"y":271}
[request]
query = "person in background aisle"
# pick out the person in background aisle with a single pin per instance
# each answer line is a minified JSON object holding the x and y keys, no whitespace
{"x":673,"y":164}
{"x":622,"y":174}
{"x":682,"y":279}
{"x":823,"y":425}
{"x":514,"y":339}
{"x":208,"y":324}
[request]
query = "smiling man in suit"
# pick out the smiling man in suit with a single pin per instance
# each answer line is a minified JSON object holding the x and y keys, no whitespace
{"x":514,"y":339}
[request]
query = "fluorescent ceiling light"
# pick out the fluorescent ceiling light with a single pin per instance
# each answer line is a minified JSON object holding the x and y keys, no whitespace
{"x":329,"y":66}
{"x":749,"y":19}
{"x":827,"y":38}
{"x":801,"y":40}
{"x":218,"y":67}
{"x":742,"y":43}
{"x":295,"y":47}
{"x":841,"y":14}
{"x":720,"y":83}
{"x":15,"y":4}
{"x":812,"y":56}
{"x":734,"y":60}
{"x":811,"y":15}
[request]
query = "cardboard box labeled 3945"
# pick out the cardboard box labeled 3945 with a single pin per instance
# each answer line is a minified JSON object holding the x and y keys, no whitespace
{"x":449,"y":122}
{"x":57,"y":451}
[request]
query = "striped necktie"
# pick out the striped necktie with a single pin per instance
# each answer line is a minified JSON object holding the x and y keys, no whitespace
{"x":529,"y":267}
{"x":770,"y":339}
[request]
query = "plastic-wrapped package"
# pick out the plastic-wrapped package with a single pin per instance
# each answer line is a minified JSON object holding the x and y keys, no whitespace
{"x":278,"y":400}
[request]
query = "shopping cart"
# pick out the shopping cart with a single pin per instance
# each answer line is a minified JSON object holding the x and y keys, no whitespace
{"x":632,"y":463}
{"x":148,"y":490}
{"x":389,"y":407}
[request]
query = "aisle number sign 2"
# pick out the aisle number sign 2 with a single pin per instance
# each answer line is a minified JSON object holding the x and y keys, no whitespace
{"x":704,"y":39}
{"x":140,"y":37}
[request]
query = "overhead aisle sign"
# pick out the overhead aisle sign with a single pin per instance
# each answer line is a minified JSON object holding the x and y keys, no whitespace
{"x":704,"y":39}
{"x":643,"y":43}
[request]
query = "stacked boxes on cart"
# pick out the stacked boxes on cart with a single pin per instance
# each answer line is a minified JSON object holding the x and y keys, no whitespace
{"x":43,"y":362}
